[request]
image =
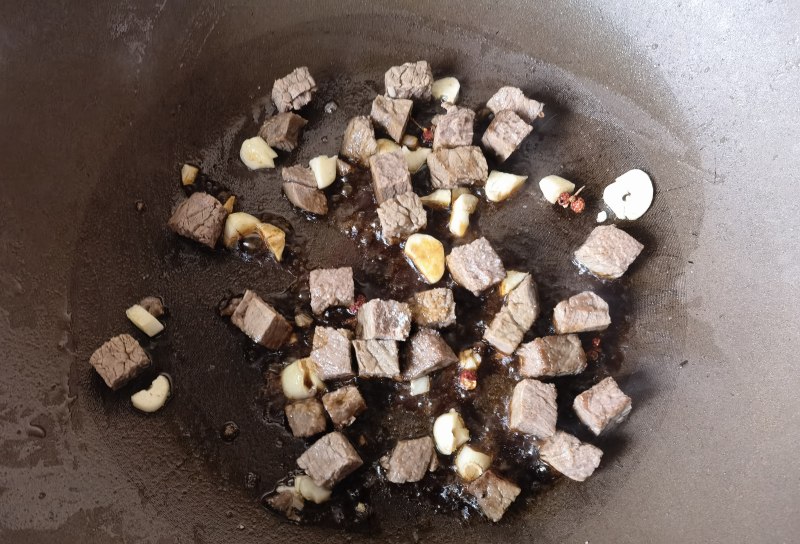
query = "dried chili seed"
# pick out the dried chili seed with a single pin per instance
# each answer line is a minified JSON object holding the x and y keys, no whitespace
{"x":355,"y":306}
{"x":564,"y":200}
{"x":596,"y":341}
{"x":578,"y":205}
{"x":427,"y":135}
{"x":468,"y":379}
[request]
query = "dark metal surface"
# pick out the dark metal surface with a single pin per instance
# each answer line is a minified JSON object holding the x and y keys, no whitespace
{"x":100,"y":106}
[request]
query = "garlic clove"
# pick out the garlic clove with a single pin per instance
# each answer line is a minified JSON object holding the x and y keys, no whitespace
{"x":274,"y":238}
{"x":427,"y":255}
{"x":324,"y":169}
{"x":387,"y":146}
{"x":630,"y":195}
{"x":310,"y":491}
{"x":439,"y":199}
{"x":458,"y":191}
{"x":144,"y":320}
{"x":154,"y":397}
{"x":238,"y":224}
{"x":256,"y":154}
{"x":446,"y":89}
{"x":471,"y":464}
{"x":189,"y":174}
{"x":449,"y":432}
{"x":510,"y":282}
{"x":500,"y":185}
{"x":409,"y":141}
{"x":553,"y":186}
{"x":463,"y":206}
{"x":416,"y":159}
{"x":229,"y":204}
{"x":420,"y":386}
{"x":299,"y":380}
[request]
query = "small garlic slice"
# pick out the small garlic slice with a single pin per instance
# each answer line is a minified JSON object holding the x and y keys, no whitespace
{"x":144,"y":320}
{"x":387,"y":146}
{"x":154,"y":397}
{"x":630,"y":195}
{"x":324,"y":169}
{"x":427,"y":255}
{"x":510,"y":282}
{"x":469,"y":359}
{"x":500,"y":185}
{"x":311,"y":491}
{"x":463,"y":206}
{"x":439,"y":199}
{"x":274,"y":238}
{"x":238,"y":224}
{"x":420,"y":386}
{"x":449,"y":432}
{"x":416,"y":159}
{"x":189,"y":174}
{"x":446,"y":89}
{"x":471,"y":464}
{"x":553,"y":186}
{"x":299,"y":380}
{"x":256,"y":154}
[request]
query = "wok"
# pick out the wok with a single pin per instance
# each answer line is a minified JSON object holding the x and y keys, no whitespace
{"x":100,"y":104}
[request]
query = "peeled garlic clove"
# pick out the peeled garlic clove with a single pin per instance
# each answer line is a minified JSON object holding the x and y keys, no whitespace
{"x":229,"y":204}
{"x":446,"y":89}
{"x":311,"y":491}
{"x":471,"y":464}
{"x":440,"y":198}
{"x":299,"y":380}
{"x":144,"y":320}
{"x":427,"y":254}
{"x":458,"y":191}
{"x":238,"y":224}
{"x":469,"y":359}
{"x":386,"y":146}
{"x":324,"y":169}
{"x":630,"y":195}
{"x":409,"y":141}
{"x":256,"y":154}
{"x":274,"y":238}
{"x":500,"y":185}
{"x":510,"y":282}
{"x":189,"y":174}
{"x":463,"y":206}
{"x":154,"y":397}
{"x":420,"y":386}
{"x":416,"y":159}
{"x":449,"y":432}
{"x":553,"y":186}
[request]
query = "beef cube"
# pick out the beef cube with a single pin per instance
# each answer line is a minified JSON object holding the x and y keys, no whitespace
{"x":282,"y":131}
{"x":343,"y":405}
{"x":451,"y":168}
{"x":384,"y":320}
{"x":390,"y":176}
{"x":560,"y":355}
{"x":409,"y":80}
{"x":433,"y":308}
{"x":533,"y":408}
{"x":512,"y":98}
{"x":391,"y":114}
{"x":329,"y":460}
{"x":358,"y":143}
{"x":410,"y":460}
{"x":505,"y":134}
{"x":300,"y":188}
{"x":294,"y":90}
{"x":428,"y":353}
{"x":475,"y":266}
{"x":453,"y":129}
{"x":574,"y":459}
{"x":581,"y":313}
{"x":331,"y":353}
{"x":377,"y":358}
{"x":200,"y":217}
{"x":603,"y":406}
{"x":260,"y":321}
{"x":517,"y":315}
{"x":493,"y":493}
{"x":401,"y":217}
{"x":119,"y":360}
{"x":608,"y":252}
{"x":306,"y":417}
{"x":331,"y":287}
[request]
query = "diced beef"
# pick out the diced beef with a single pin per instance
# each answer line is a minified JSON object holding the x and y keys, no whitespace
{"x":286,"y":501}
{"x":453,"y":129}
{"x":377,"y":358}
{"x":409,"y":80}
{"x":410,"y":460}
{"x":343,"y":405}
{"x":306,"y":417}
{"x":505,"y":134}
{"x":493,"y":493}
{"x":392,"y":115}
{"x":331,"y":287}
{"x":435,"y":308}
{"x":517,"y":315}
{"x":331,"y":353}
{"x":119,"y":360}
{"x":294,"y":90}
{"x":358,"y":143}
{"x":260,"y":321}
{"x":428,"y":353}
{"x":574,"y":459}
{"x":559,"y":355}
{"x":384,"y":320}
{"x":330,"y":459}
{"x":451,"y":168}
{"x":300,"y":188}
{"x":200,"y":217}
{"x":401,"y":217}
{"x":475,"y":266}
{"x":282,"y":131}
{"x":512,"y":98}
{"x":608,"y":252}
{"x":581,"y":313}
{"x":390,"y":176}
{"x":603,"y":406}
{"x":533,"y":408}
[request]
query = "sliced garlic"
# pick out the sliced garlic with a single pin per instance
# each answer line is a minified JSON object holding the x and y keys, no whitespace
{"x":553,"y":186}
{"x":446,"y":89}
{"x":510,"y":282}
{"x":256,"y":154}
{"x":409,"y":141}
{"x":420,"y":386}
{"x":469,"y":359}
{"x":274,"y":238}
{"x":154,"y":397}
{"x":238,"y":224}
{"x":630,"y":195}
{"x":189,"y":174}
{"x":299,"y":380}
{"x":471,"y":464}
{"x":144,"y":320}
{"x":416,"y":159}
{"x":458,"y":191}
{"x":602,"y":216}
{"x":500,"y":185}
{"x":324,"y":169}
{"x":440,"y":199}
{"x":449,"y":432}
{"x":229,"y":204}
{"x":311,"y":491}
{"x":463,"y":206}
{"x":387,"y":146}
{"x":427,"y":254}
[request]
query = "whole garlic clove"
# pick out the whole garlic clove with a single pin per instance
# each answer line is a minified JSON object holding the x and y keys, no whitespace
{"x":416,"y":159}
{"x":439,"y":199}
{"x":500,"y":185}
{"x":256,"y":154}
{"x":310,"y":491}
{"x":630,"y":195}
{"x":386,"y":146}
{"x":274,"y":238}
{"x":427,"y":255}
{"x":300,"y":381}
{"x":420,"y":386}
{"x":189,"y":174}
{"x":553,"y":186}
{"x":463,"y":206}
{"x":471,"y":464}
{"x":144,"y":320}
{"x":237,"y":225}
{"x":154,"y":397}
{"x":324,"y":169}
{"x":449,"y":432}
{"x":446,"y":89}
{"x":510,"y":282}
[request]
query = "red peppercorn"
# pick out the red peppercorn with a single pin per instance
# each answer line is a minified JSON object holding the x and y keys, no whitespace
{"x":578,"y":205}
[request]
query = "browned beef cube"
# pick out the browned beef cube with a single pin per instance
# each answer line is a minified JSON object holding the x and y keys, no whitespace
{"x":608,"y":252}
{"x":300,"y":188}
{"x":428,"y":353}
{"x":493,"y":494}
{"x":343,"y":405}
{"x":505,"y":133}
{"x":517,"y":315}
{"x":574,"y":459}
{"x":390,"y":176}
{"x":200,"y":217}
{"x":533,"y":408}
{"x":306,"y":417}
{"x":331,"y":287}
{"x":603,"y":406}
{"x":119,"y":360}
{"x":410,"y":460}
{"x":512,"y":98}
{"x":358,"y":143}
{"x":401,"y":217}
{"x":384,"y":320}
{"x":559,"y":355}
{"x":260,"y":321}
{"x":476,"y":266}
{"x":409,"y":80}
{"x":282,"y":131}
{"x":392,"y":115}
{"x":581,"y":313}
{"x":330,"y":459}
{"x":451,"y":168}
{"x":377,"y":358}
{"x":453,"y":129}
{"x":294,"y":90}
{"x":433,"y":308}
{"x":331,"y":353}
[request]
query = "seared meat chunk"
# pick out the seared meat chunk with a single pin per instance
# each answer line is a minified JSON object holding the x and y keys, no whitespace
{"x":608,"y":252}
{"x":603,"y":406}
{"x":505,"y":133}
{"x":294,"y":90}
{"x":512,"y":98}
{"x":331,"y":287}
{"x":392,"y":115}
{"x":517,"y":315}
{"x":343,"y":405}
{"x":329,"y":460}
{"x":533,"y":408}
{"x":377,"y":358}
{"x":306,"y":417}
{"x":358,"y":143}
{"x":260,"y":321}
{"x":493,"y":493}
{"x":574,"y":459}
{"x":453,"y":129}
{"x":300,"y":188}
{"x":409,"y":80}
{"x":119,"y":360}
{"x":428,"y":353}
{"x":410,"y":460}
{"x":331,"y":353}
{"x":401,"y":217}
{"x":476,"y":266}
{"x":581,"y":313}
{"x":384,"y":320}
{"x":433,"y":308}
{"x":390,"y":176}
{"x":450,"y":168}
{"x":559,"y":355}
{"x":200,"y":217}
{"x":282,"y":131}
